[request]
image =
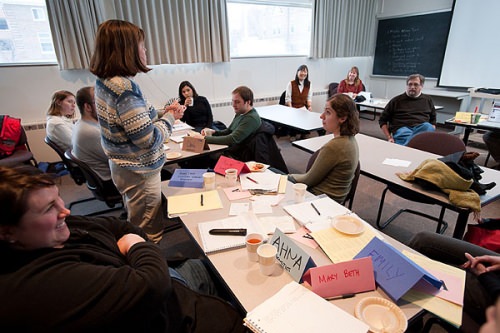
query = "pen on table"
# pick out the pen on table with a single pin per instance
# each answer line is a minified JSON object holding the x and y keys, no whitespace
{"x":201,"y":200}
{"x":316,"y":209}
{"x":253,"y":180}
{"x":228,"y":232}
{"x":236,"y":190}
{"x":340,"y":297}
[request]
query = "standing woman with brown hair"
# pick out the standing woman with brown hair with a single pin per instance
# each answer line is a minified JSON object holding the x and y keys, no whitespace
{"x":132,"y":134}
{"x":60,"y":118}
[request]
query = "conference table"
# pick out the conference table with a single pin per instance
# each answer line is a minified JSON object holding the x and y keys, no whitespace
{"x":483,"y":124}
{"x":174,"y":152}
{"x":372,"y":154}
{"x":299,"y":119}
{"x":243,"y":278}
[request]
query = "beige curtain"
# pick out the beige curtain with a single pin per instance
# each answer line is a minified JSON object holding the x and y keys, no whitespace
{"x":180,"y":31}
{"x":74,"y":24}
{"x":343,"y":28}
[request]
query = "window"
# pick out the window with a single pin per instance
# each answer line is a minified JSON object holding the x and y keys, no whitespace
{"x":25,"y":33}
{"x":38,"y":14}
{"x":269,"y":28}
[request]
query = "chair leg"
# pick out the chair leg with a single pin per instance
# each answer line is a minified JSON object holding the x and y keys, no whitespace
{"x":80,"y":201}
{"x":442,"y":225}
{"x":380,"y":207}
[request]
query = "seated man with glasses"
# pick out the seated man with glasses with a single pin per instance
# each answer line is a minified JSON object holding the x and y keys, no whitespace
{"x":408,"y":114}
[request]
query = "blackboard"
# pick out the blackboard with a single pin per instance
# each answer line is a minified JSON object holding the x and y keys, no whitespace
{"x":412,"y":44}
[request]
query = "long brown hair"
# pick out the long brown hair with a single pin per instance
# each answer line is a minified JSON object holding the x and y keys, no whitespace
{"x":357,"y":80}
{"x":344,"y":106}
{"x":117,"y":50}
{"x":59,"y":96}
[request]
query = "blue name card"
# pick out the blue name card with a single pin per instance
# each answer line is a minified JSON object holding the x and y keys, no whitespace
{"x":187,"y":178}
{"x":394,"y":272}
{"x":291,"y":257}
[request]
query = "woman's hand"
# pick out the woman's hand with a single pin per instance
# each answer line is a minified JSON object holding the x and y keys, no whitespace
{"x":482,"y":264}
{"x":127,"y":241}
{"x":188,"y":101}
{"x":207,"y":132}
{"x":176,"y":110}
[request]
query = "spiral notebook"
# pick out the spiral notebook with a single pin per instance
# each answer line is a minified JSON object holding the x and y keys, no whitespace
{"x":215,"y":243}
{"x":296,"y":309}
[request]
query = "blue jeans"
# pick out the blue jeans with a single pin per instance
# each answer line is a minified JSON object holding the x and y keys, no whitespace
{"x":194,"y":275}
{"x":404,"y":134}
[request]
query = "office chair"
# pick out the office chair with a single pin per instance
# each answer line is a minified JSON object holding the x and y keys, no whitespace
{"x":354,"y":184}
{"x":105,"y":191}
{"x":433,"y":142}
{"x":73,"y":169}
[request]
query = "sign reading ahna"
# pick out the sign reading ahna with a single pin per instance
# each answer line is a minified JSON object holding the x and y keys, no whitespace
{"x":291,"y":257}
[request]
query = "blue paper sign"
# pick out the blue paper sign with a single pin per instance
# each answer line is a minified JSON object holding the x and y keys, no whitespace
{"x":187,"y":178}
{"x":394,"y":272}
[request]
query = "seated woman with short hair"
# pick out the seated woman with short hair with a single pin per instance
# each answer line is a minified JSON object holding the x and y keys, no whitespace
{"x":333,"y":170}
{"x":63,"y":273}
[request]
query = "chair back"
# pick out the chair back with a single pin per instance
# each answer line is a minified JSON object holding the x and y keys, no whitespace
{"x":332,"y":89}
{"x":312,"y":159}
{"x":282,"y":98}
{"x":439,"y":143}
{"x":73,"y":169}
{"x":102,"y":190}
{"x":354,"y":184}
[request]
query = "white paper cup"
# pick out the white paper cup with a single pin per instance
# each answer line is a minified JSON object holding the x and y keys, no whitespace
{"x":299,"y":190}
{"x":209,"y":180}
{"x":267,"y":258}
{"x":253,"y":241}
{"x":231,"y":177}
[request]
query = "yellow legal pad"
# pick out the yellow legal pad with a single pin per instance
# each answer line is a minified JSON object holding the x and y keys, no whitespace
{"x":187,"y":203}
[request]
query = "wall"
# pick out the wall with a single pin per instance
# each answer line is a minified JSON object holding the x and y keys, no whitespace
{"x":25,"y":92}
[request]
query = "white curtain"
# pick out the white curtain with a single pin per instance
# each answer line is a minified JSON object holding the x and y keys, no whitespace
{"x":74,"y":25}
{"x":180,"y":31}
{"x":343,"y":28}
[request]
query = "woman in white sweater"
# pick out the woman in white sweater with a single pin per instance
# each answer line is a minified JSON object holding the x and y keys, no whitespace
{"x":60,"y":118}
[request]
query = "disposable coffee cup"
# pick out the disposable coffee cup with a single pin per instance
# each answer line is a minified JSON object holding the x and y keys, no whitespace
{"x":209,"y":180}
{"x":299,"y":190}
{"x":231,"y":177}
{"x":267,"y":258}
{"x":253,"y":241}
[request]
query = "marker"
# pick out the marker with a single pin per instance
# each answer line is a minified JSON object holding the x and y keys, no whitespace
{"x":236,"y":190}
{"x":253,"y":180}
{"x":228,"y":232}
{"x":340,"y":297}
{"x":316,"y":209}
{"x":201,"y":200}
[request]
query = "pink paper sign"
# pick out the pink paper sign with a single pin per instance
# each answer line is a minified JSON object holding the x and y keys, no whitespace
{"x":348,"y":277}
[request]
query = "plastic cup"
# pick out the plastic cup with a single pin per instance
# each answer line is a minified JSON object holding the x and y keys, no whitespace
{"x":209,"y":180}
{"x":267,"y":258}
{"x":231,"y":177}
{"x":299,"y":190}
{"x":253,"y":241}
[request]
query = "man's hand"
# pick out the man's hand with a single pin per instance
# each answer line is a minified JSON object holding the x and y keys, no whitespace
{"x":482,"y":264}
{"x":207,"y":132}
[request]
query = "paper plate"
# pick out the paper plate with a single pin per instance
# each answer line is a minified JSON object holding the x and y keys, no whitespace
{"x":173,"y":155}
{"x":348,"y":224}
{"x":257,"y":167}
{"x":382,"y":315}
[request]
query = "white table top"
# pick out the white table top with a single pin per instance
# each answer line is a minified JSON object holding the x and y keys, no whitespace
{"x":373,"y":152}
{"x":243,"y":277}
{"x":296,"y":118}
{"x":380,"y":103}
{"x":177,"y":147}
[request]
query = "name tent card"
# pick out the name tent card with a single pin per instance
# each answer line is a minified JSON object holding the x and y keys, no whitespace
{"x":187,"y":178}
{"x":394,"y":272}
{"x":348,"y":277}
{"x":291,"y":257}
{"x":195,"y":145}
{"x":228,"y":163}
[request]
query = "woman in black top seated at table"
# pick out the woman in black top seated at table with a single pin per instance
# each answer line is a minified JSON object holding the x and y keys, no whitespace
{"x":198,"y":111}
{"x":63,"y":273}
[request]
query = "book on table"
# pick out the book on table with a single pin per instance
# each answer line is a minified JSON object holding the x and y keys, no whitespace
{"x":296,"y":309}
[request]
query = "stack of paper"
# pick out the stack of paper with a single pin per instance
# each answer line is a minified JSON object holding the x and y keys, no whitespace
{"x":316,"y":211}
{"x":296,"y":309}
{"x":267,"y":181}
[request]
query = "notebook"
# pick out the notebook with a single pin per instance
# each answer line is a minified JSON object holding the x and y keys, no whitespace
{"x":215,"y":243}
{"x":296,"y":309}
{"x":319,"y":210}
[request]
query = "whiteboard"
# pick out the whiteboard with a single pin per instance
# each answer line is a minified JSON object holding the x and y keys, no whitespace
{"x":473,"y":49}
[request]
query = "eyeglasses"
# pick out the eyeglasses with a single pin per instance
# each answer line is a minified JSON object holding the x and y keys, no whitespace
{"x":413,"y":84}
